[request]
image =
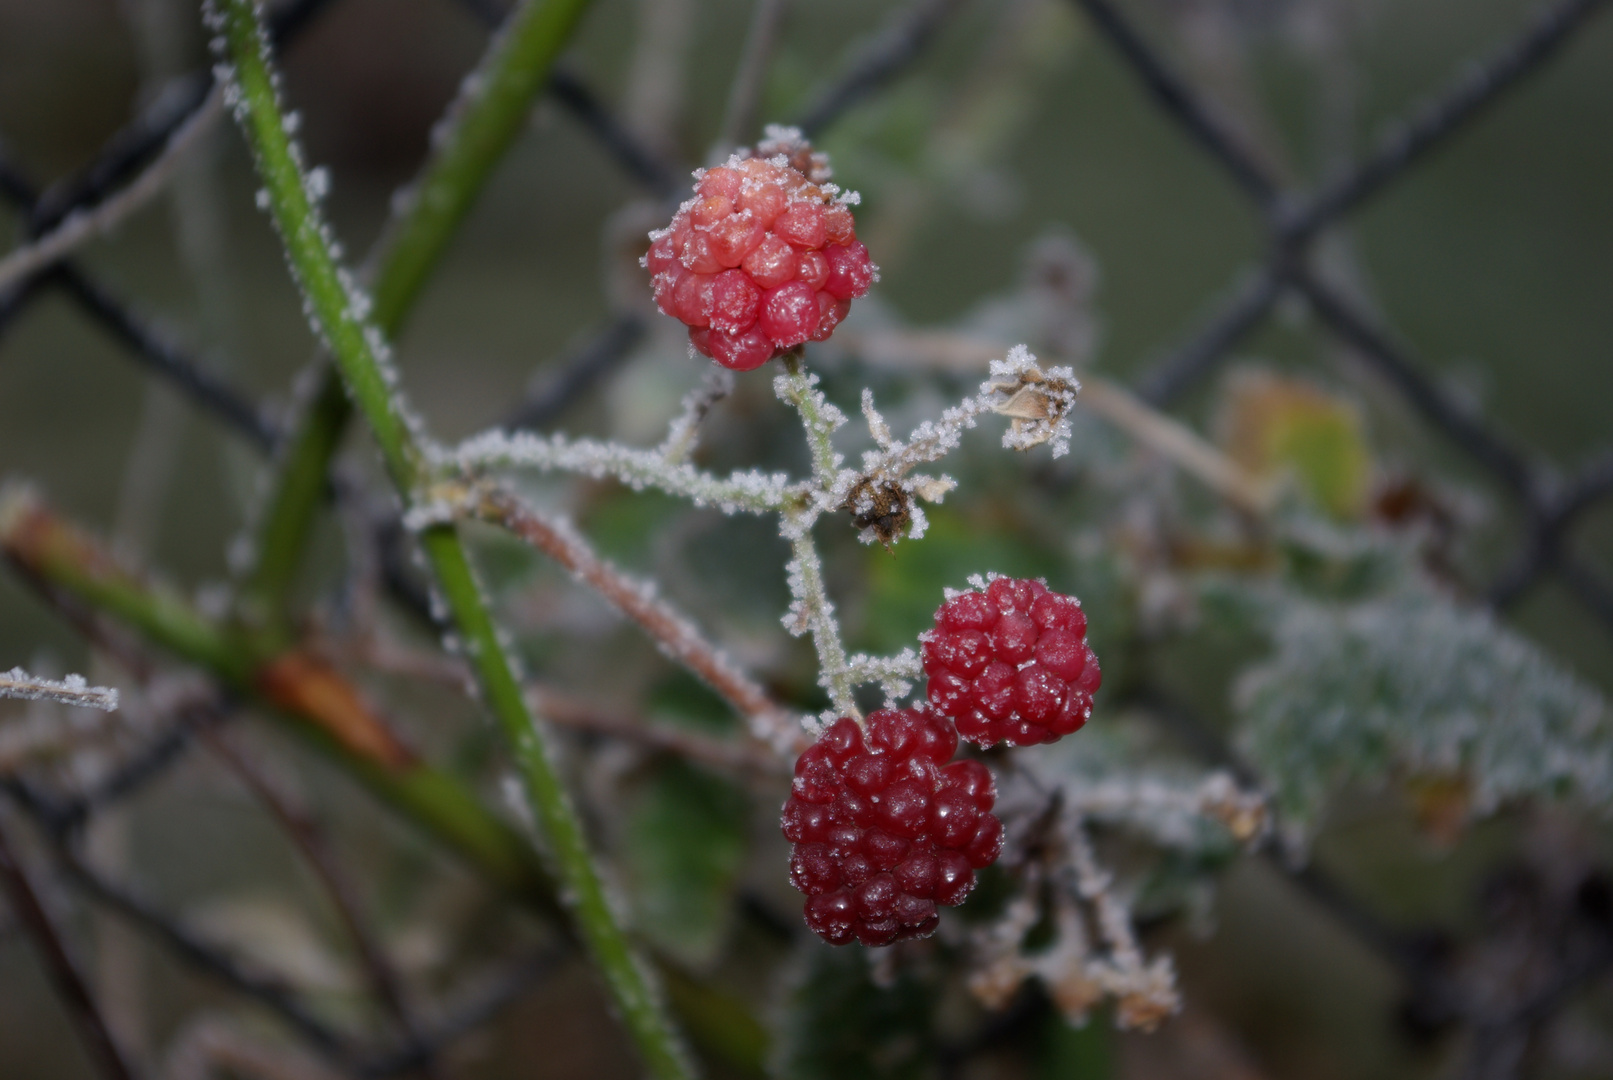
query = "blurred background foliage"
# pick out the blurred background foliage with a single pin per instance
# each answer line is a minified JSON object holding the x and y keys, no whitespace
{"x":1017,"y":187}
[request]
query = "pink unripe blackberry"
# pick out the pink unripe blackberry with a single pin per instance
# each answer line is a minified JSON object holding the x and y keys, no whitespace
{"x":1011,"y":664}
{"x":764,"y":257}
{"x":884,"y":829}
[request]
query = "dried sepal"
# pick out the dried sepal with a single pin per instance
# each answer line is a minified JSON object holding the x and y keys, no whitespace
{"x":1036,"y":402}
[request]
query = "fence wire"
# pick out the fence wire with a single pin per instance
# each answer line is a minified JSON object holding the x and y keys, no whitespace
{"x":1553,"y":500}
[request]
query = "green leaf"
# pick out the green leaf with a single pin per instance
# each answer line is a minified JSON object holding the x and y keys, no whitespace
{"x":1274,"y":424}
{"x":905,"y":584}
{"x":684,"y":844}
{"x":1411,"y":684}
{"x":840,"y":1026}
{"x":1074,"y":1053}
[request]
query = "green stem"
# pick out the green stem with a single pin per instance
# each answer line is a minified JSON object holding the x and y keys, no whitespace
{"x":834,"y":672}
{"x":63,"y":560}
{"x":819,"y":418}
{"x":799,"y":389}
{"x":357,"y":347}
{"x":494,"y":103}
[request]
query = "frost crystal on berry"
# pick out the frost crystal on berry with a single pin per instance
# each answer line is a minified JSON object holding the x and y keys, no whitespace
{"x":885,"y":830}
{"x":763,"y":258}
{"x":1008,"y":662}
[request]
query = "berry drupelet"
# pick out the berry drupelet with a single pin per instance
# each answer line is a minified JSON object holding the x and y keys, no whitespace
{"x":762,"y":259}
{"x":1011,"y":664}
{"x":885,"y":830}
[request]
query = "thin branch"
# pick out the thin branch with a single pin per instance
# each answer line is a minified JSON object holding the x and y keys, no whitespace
{"x":72,"y":690}
{"x":770,"y":724}
{"x":81,"y":226}
{"x":476,"y":1007}
{"x":1154,"y":429}
{"x":30,"y":913}
{"x":310,"y":841}
{"x":1179,"y":444}
{"x":749,"y":759}
{"x":272,"y":992}
{"x":751,"y":491}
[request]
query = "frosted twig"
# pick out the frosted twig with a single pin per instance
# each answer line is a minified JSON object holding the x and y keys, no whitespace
{"x":1093,"y":885}
{"x":72,"y":690}
{"x":1180,"y":444}
{"x":676,"y":635}
{"x":798,"y":388}
{"x":811,"y":610}
{"x":684,"y":431}
{"x":1036,"y":402}
{"x":1165,"y":810}
{"x":81,"y":226}
{"x":893,"y":673}
{"x":1146,"y":992}
{"x":752,"y":491}
{"x":1158,"y":431}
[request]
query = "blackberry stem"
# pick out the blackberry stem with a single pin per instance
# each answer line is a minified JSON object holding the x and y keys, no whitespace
{"x":343,"y":318}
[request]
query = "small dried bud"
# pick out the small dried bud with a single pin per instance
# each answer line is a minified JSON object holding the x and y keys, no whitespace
{"x":883,"y":507}
{"x":1036,"y":402}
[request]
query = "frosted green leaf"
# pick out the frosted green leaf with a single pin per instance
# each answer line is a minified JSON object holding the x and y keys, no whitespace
{"x":1413,"y":685}
{"x":685,"y":843}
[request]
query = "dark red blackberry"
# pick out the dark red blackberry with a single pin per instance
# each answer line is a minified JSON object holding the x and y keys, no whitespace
{"x":884,"y":829}
{"x":1011,"y":664}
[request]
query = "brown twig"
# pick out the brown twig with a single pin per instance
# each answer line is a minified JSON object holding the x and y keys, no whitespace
{"x":309,"y":838}
{"x":747,"y":757}
{"x":769,"y":723}
{"x":64,"y":975}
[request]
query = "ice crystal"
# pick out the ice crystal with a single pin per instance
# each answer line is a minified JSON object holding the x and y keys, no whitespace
{"x":71,"y":690}
{"x":748,"y":491}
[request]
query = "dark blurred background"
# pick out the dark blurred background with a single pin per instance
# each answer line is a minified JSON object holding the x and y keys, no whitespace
{"x":1493,"y":261}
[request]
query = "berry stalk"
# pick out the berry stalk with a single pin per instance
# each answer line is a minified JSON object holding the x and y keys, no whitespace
{"x":340,"y":315}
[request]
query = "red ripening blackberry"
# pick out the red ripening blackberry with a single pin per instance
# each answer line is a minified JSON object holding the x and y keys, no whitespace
{"x":884,"y":829}
{"x":1011,"y":664}
{"x":762,"y":259}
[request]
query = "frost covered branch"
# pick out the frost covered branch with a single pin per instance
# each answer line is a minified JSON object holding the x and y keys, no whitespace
{"x":883,"y":497}
{"x":1146,"y":992}
{"x":750,"y":491}
{"x":1168,"y":812}
{"x":812,"y":610}
{"x":894,"y":674}
{"x":638,"y":600}
{"x":73,"y":690}
{"x":684,"y":431}
{"x":1157,"y":431}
